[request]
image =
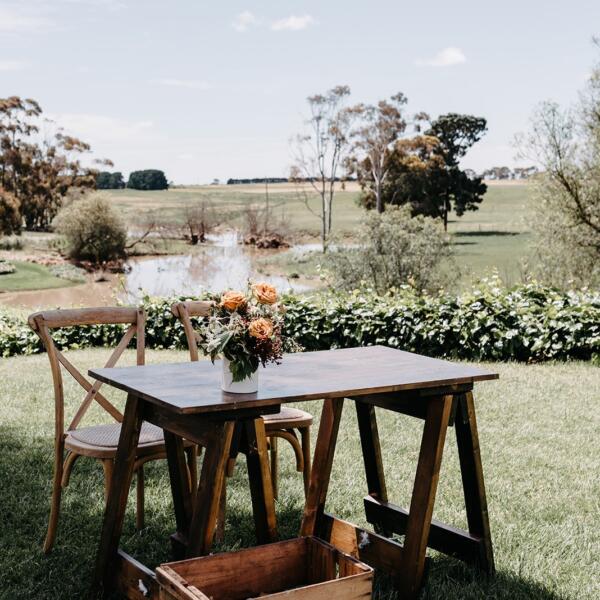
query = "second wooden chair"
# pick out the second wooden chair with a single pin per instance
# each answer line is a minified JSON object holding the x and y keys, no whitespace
{"x":279,"y":426}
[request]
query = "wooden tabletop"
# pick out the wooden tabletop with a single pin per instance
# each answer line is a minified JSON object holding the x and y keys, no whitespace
{"x":195,"y":387}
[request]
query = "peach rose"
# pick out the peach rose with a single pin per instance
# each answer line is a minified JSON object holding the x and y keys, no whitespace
{"x":232,"y":300}
{"x":264,"y":293}
{"x":261,"y":328}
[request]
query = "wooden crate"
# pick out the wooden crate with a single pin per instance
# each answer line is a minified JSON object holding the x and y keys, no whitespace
{"x":300,"y":569}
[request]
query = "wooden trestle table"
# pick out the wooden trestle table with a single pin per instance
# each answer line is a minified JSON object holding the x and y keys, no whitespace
{"x":185,"y":399}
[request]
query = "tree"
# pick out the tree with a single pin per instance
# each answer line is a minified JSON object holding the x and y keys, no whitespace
{"x":38,"y":173}
{"x":567,"y":209}
{"x":322,"y":150}
{"x":105,"y":180}
{"x":93,"y":229}
{"x":380,"y":127}
{"x":415,"y":176}
{"x":424,"y":170}
{"x":200,"y":219}
{"x":10,"y":214}
{"x":566,"y":224}
{"x":456,"y":134}
{"x":149,"y":179}
{"x":394,"y":248}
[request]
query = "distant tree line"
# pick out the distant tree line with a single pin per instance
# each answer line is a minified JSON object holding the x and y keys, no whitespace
{"x":504,"y":173}
{"x":232,"y":181}
{"x":149,"y":179}
{"x":110,"y":181}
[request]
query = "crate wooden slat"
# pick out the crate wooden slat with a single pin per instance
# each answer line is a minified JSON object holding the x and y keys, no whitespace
{"x":299,"y":569}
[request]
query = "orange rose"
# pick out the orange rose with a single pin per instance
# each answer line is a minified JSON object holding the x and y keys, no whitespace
{"x":264,"y":293}
{"x":261,"y":328}
{"x":232,"y":300}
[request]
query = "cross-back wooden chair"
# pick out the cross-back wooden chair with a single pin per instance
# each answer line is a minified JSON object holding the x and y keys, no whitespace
{"x":282,"y":425}
{"x":97,"y":441}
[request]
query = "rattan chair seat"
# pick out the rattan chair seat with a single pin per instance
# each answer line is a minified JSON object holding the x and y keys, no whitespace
{"x":107,"y":436}
{"x":288,"y":418}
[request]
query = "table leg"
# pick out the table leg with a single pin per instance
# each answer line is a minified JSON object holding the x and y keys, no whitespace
{"x":321,"y":467}
{"x":261,"y":486}
{"x":180,"y":481}
{"x":116,"y":504}
{"x":472,"y":477}
{"x":208,"y":495}
{"x":371,"y":449}
{"x":423,"y":496}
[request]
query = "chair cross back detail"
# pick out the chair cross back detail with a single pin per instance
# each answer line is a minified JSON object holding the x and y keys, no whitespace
{"x":184,"y":311}
{"x":43,"y":322}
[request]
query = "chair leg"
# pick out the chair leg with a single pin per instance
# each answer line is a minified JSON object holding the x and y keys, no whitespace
{"x":305,"y":435}
{"x":107,"y":466}
{"x":274,"y":466}
{"x":139,"y":499}
{"x":56,"y":496}
{"x":68,"y":467}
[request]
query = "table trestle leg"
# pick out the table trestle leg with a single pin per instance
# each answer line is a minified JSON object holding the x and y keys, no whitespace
{"x":472,"y":477}
{"x":322,"y":464}
{"x":117,"y":500}
{"x":259,"y":476}
{"x":208,"y":495}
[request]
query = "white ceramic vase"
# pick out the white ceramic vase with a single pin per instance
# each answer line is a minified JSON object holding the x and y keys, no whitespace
{"x":246,"y":386}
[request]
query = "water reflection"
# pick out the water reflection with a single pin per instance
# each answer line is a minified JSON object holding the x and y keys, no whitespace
{"x":221,"y":265}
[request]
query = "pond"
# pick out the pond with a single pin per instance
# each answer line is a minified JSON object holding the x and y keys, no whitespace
{"x":220,"y":264}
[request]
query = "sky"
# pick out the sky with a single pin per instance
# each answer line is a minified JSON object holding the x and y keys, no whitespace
{"x":208,"y":90}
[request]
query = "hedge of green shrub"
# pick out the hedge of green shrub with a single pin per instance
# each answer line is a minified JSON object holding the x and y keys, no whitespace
{"x":525,"y":323}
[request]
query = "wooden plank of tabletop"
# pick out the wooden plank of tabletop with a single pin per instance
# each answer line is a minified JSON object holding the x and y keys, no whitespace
{"x":195,"y":387}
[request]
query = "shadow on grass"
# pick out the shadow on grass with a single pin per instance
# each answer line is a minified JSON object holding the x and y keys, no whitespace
{"x":25,"y":475}
{"x":487,"y":233}
{"x":26,"y":479}
{"x":450,"y":579}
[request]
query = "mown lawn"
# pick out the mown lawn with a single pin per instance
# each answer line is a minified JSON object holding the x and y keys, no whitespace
{"x":540,"y":433}
{"x":30,"y":276}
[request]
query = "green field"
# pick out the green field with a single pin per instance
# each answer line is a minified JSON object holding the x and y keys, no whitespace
{"x":30,"y":276}
{"x":494,"y":237}
{"x":541,"y":457}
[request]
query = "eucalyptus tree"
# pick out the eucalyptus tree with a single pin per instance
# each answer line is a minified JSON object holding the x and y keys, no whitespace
{"x":566,"y":223}
{"x":321,"y":150}
{"x":380,"y":126}
{"x":36,"y":171}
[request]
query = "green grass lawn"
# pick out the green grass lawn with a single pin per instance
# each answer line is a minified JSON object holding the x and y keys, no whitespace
{"x":30,"y":276}
{"x":539,"y":430}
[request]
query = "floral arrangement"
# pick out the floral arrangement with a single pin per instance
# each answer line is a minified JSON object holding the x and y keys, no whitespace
{"x":246,"y":329}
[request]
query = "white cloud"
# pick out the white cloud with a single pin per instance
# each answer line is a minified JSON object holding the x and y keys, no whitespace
{"x":293,"y":23}
{"x":185,"y":156}
{"x":244,"y":21}
{"x":12,"y":65}
{"x":19,"y":21}
{"x":444,"y":58}
{"x":192,"y":84}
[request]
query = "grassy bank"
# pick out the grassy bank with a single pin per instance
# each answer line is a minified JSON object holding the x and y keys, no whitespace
{"x":541,"y":453}
{"x":30,"y":276}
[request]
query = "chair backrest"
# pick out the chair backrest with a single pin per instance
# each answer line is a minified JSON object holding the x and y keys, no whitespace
{"x":43,"y":322}
{"x":184,"y":311}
